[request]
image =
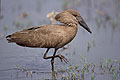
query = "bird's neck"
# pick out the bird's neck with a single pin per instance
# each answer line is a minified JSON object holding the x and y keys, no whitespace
{"x":72,"y":28}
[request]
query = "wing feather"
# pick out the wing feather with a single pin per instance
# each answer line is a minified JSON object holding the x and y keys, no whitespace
{"x":44,"y":37}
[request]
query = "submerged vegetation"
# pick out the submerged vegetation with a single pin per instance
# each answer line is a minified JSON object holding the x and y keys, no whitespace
{"x":83,"y":71}
{"x":87,"y":71}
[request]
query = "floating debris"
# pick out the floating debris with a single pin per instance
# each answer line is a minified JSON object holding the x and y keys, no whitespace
{"x":51,"y":16}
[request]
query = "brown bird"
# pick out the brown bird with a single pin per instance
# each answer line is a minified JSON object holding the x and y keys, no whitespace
{"x":51,"y":36}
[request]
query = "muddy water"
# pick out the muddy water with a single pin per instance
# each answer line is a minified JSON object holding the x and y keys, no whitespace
{"x":102,"y":16}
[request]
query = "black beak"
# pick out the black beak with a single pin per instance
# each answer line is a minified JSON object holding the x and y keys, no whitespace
{"x":83,"y":24}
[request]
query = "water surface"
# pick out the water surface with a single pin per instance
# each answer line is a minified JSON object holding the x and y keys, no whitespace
{"x":102,"y":16}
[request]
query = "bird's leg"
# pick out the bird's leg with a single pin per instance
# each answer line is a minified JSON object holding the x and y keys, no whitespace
{"x":45,"y":57}
{"x":61,"y":57}
{"x":52,"y":60}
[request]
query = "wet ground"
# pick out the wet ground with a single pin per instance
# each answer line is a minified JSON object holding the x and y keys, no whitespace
{"x":102,"y":16}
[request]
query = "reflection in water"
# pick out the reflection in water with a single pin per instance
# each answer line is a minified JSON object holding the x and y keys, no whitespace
{"x":102,"y":16}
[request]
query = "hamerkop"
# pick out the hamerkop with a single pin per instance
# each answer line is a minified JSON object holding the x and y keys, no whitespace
{"x":52,"y":35}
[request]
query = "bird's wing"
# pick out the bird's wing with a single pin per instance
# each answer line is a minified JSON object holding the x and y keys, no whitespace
{"x":44,"y":37}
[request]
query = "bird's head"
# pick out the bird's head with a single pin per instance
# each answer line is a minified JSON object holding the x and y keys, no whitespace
{"x":80,"y":20}
{"x":61,"y":17}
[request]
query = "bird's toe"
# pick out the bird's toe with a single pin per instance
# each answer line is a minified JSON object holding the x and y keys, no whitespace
{"x":62,"y":58}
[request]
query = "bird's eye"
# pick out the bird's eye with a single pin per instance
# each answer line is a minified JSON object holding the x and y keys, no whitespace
{"x":74,"y":15}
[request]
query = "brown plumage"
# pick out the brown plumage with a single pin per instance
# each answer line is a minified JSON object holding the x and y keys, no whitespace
{"x":52,"y":35}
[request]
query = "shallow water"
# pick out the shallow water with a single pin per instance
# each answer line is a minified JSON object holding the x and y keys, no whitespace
{"x":102,"y":16}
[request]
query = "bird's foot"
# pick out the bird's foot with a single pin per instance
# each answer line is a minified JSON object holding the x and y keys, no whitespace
{"x":62,"y":58}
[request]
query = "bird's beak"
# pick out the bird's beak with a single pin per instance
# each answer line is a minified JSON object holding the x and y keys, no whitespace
{"x":83,"y":24}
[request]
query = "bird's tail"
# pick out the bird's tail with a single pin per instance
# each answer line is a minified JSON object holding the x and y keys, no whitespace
{"x":9,"y":38}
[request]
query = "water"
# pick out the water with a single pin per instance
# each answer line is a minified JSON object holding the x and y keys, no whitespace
{"x":102,"y":16}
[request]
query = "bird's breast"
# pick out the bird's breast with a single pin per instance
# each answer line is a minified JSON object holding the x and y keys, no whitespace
{"x":68,"y":35}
